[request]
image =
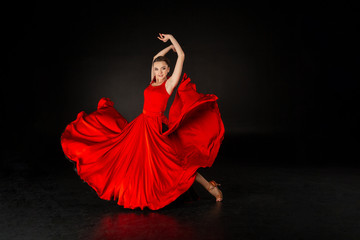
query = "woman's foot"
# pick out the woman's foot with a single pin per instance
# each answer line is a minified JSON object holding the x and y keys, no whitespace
{"x":215,"y":191}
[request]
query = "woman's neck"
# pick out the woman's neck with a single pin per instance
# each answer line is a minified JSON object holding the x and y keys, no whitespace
{"x":158,"y":82}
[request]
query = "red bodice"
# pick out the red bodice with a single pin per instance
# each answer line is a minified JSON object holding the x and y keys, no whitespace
{"x":155,"y":99}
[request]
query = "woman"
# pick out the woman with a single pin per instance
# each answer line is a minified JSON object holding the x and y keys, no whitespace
{"x":139,"y":163}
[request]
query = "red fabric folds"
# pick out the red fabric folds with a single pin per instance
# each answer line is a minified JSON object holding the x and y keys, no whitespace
{"x":138,"y":164}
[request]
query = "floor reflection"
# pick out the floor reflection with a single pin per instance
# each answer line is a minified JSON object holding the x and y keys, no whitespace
{"x":177,"y":223}
{"x":140,"y":226}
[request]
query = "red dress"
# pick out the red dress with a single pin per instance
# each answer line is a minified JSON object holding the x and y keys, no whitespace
{"x":137,"y":163}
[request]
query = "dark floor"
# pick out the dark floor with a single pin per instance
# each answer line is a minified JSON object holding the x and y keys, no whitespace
{"x":261,"y":201}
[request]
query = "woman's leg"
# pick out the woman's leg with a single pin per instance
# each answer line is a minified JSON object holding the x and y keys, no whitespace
{"x":200,"y":179}
{"x":215,"y":191}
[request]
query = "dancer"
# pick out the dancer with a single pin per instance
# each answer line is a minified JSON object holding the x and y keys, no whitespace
{"x":152,"y":160}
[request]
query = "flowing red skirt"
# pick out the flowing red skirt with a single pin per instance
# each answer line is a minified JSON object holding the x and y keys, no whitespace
{"x":137,"y":163}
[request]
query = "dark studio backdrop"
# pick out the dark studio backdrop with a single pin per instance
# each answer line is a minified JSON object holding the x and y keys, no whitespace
{"x":283,"y":74}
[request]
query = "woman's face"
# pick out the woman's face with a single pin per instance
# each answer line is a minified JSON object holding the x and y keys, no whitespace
{"x":161,"y":69}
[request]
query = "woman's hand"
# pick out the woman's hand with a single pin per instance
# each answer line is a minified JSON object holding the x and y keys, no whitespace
{"x":164,"y":37}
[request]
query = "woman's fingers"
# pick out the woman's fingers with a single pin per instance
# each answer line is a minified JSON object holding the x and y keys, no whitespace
{"x":162,"y":37}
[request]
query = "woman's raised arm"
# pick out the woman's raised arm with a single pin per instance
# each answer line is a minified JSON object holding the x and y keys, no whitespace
{"x":163,"y":52}
{"x":174,"y":79}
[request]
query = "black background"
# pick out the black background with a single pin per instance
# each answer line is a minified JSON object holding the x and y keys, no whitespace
{"x":284,"y":73}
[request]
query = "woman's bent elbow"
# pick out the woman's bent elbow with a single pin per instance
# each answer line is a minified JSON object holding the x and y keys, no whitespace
{"x":182,"y":55}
